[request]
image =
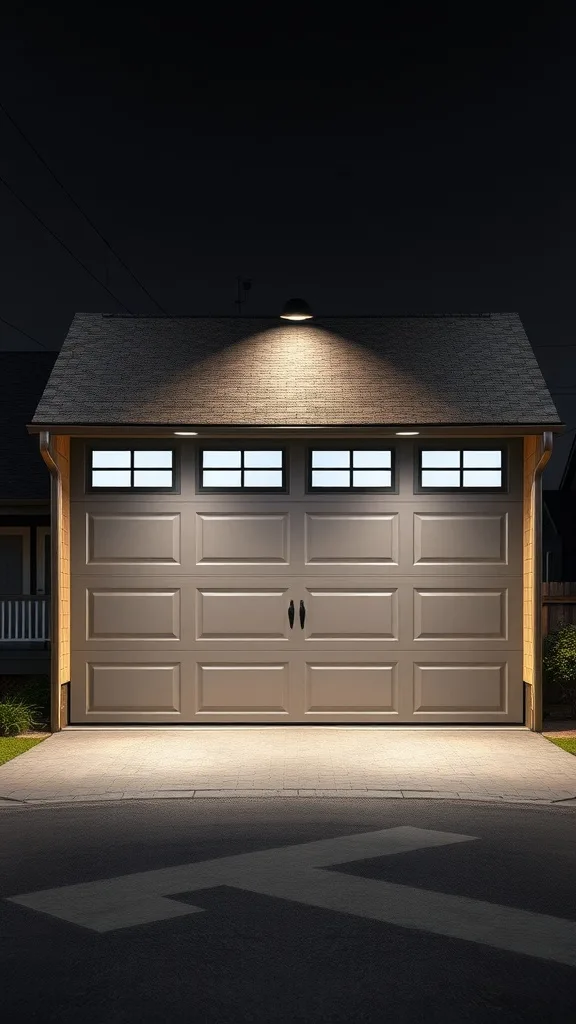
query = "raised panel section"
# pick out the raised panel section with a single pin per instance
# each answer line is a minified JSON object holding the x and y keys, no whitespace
{"x":242,"y":613}
{"x":334,"y":689}
{"x":132,"y":614}
{"x":351,"y":613}
{"x":236,"y":688}
{"x":460,"y":539}
{"x":138,"y":688}
{"x":242,"y":539}
{"x":461,"y":688}
{"x":461,"y":614}
{"x":351,"y":539}
{"x":132,"y":539}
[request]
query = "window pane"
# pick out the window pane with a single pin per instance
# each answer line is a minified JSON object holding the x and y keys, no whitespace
{"x":371,"y":478}
{"x":484,"y":460}
{"x":263,"y":478}
{"x":111,"y":478}
{"x":221,"y":478}
{"x":482,"y":478}
{"x":368,"y":459}
{"x":330,"y":478}
{"x":153,"y":478}
{"x":214,"y":459}
{"x":442,"y":460}
{"x":143,"y":460}
{"x":440,"y":478}
{"x":108,"y":460}
{"x":270,"y":459}
{"x":327,"y":459}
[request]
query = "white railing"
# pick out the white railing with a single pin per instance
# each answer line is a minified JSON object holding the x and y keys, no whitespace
{"x":25,"y":618}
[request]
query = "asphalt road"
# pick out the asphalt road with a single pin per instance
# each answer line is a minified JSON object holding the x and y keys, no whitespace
{"x":317,"y":932}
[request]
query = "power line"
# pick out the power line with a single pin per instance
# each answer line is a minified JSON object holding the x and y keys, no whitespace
{"x":79,"y":208}
{"x":25,"y":333}
{"x":63,"y":244}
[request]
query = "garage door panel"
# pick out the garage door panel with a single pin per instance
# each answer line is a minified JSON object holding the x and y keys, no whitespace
{"x":133,"y":614}
{"x":356,"y":687}
{"x":461,"y":613}
{"x":482,"y":539}
{"x":350,"y":539}
{"x":131,"y":538}
{"x":243,"y":540}
{"x":123,"y":613}
{"x":467,"y":688}
{"x":131,"y":686}
{"x":255,"y":611}
{"x":479,"y":612}
{"x":347,"y":610}
{"x":238,"y":686}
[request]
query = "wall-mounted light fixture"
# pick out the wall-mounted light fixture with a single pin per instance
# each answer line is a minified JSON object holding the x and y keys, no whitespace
{"x":186,"y":433}
{"x":296,"y":309}
{"x":407,"y":433}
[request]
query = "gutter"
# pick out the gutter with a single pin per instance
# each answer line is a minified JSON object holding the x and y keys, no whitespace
{"x":48,"y":455}
{"x":537,"y":689}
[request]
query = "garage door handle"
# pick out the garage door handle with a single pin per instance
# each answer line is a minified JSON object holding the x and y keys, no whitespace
{"x":291,"y":614}
{"x":302,"y":614}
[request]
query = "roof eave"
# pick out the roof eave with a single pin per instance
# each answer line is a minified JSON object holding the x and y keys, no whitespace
{"x":384,"y":429}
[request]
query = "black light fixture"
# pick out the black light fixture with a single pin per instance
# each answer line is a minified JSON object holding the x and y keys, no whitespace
{"x":296,"y":309}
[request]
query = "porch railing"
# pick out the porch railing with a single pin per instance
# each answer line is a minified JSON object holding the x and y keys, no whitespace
{"x":25,"y":619}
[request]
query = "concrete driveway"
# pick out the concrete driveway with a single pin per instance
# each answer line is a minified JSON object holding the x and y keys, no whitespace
{"x":132,"y":763}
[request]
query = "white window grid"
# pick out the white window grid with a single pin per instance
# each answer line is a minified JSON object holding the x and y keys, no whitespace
{"x":465,"y":469}
{"x":243,"y":469}
{"x":132,"y":469}
{"x":350,"y":469}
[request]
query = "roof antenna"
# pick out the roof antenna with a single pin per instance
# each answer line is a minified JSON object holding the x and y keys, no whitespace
{"x":244,"y":285}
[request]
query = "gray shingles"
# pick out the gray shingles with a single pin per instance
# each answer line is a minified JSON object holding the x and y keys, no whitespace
{"x":332,"y":370}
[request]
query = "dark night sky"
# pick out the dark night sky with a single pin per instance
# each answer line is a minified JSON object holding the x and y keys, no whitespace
{"x":423,"y":165}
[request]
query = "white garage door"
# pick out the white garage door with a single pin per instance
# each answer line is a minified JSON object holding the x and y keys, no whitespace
{"x":336,"y":604}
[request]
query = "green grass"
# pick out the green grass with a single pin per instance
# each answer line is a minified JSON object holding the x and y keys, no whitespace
{"x":11,"y":746}
{"x":566,"y":742}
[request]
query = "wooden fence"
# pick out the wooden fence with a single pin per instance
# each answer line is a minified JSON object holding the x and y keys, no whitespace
{"x":558,"y":605}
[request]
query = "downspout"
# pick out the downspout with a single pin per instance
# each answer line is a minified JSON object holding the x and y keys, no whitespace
{"x":537,"y":690}
{"x":48,"y":455}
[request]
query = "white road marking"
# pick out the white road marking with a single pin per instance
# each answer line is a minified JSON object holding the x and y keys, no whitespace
{"x":295,"y":873}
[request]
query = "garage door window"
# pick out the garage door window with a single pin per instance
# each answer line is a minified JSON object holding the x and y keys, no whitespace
{"x":131,"y":469}
{"x":452,"y":469}
{"x":350,"y":469}
{"x":242,"y":469}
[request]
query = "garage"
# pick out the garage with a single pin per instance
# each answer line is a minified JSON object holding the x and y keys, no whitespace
{"x":249,"y":538}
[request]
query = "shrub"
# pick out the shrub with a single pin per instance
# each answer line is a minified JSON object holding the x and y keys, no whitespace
{"x":16,"y":716}
{"x":30,"y":689}
{"x":559,"y":662}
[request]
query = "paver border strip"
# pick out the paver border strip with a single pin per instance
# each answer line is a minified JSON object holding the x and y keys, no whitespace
{"x":295,"y":794}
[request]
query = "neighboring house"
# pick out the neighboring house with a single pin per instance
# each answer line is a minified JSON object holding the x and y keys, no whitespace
{"x":323,"y":522}
{"x":24,"y":518}
{"x":560,"y":526}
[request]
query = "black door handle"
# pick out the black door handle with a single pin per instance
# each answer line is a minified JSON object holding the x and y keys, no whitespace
{"x":291,"y":614}
{"x":302,"y":614}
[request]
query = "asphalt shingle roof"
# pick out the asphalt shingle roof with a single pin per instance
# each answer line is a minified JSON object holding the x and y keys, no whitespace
{"x":448,"y":369}
{"x":23,"y":473}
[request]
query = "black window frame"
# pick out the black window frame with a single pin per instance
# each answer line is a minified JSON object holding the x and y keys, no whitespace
{"x":346,"y":446}
{"x":242,"y":447}
{"x":130,"y":445}
{"x":460,"y":446}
